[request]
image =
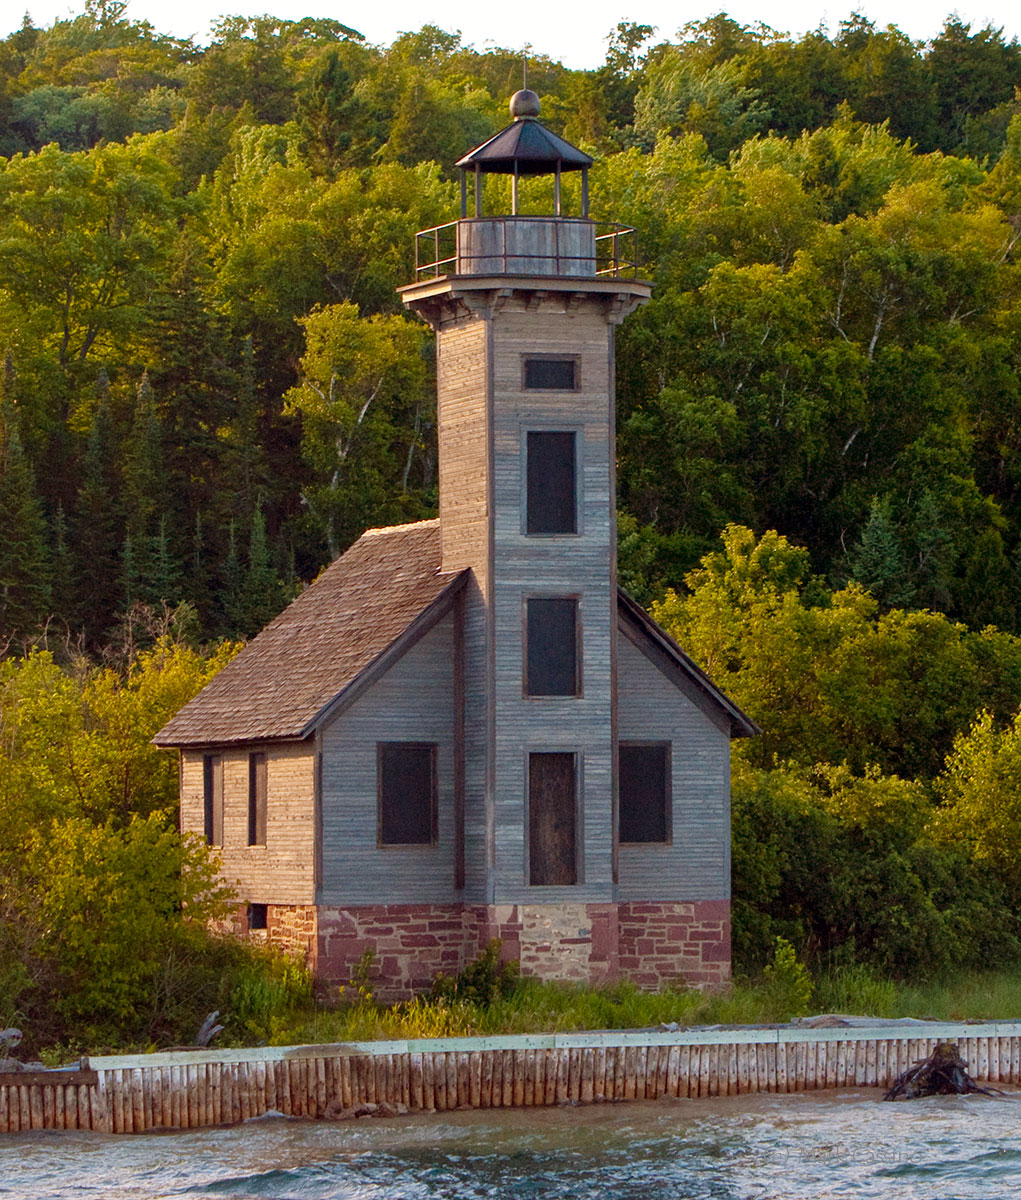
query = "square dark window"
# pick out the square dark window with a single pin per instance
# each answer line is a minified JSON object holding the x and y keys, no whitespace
{"x":257,"y":799}
{"x":550,"y":374}
{"x":551,"y":641}
{"x":212,"y":799}
{"x":550,"y":492}
{"x":256,"y":916}
{"x":552,"y":819}
{"x":644,"y":791}
{"x":407,"y":793}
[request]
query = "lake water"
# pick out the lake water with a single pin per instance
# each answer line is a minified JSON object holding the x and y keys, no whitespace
{"x":823,"y":1144}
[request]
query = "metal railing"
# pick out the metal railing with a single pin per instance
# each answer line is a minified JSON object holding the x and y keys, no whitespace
{"x":439,"y":252}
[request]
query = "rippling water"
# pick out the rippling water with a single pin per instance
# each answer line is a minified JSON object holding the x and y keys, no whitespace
{"x":830,"y":1144}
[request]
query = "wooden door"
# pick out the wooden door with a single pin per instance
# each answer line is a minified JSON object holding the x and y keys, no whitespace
{"x":552,"y":819}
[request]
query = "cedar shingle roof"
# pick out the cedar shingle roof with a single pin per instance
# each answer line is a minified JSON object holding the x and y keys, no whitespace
{"x":287,"y":676}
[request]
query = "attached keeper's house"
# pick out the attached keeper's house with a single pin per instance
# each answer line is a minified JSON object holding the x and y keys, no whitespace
{"x":463,"y":729}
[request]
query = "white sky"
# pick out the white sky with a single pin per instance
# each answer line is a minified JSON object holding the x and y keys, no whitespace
{"x":575,"y":34}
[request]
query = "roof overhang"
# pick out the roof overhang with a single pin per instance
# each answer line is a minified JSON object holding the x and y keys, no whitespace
{"x":665,"y":653}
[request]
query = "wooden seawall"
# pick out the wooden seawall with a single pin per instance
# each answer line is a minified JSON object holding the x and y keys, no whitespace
{"x":192,"y":1089}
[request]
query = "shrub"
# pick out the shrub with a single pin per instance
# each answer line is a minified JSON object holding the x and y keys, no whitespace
{"x":482,"y":982}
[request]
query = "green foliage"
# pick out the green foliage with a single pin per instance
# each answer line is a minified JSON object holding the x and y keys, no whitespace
{"x":787,"y":982}
{"x":24,"y":560}
{"x":110,"y":903}
{"x":843,"y":864}
{"x":265,"y":991}
{"x":981,"y":792}
{"x":827,"y":675}
{"x":483,"y":982}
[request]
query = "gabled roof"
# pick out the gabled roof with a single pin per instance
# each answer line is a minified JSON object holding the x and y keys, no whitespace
{"x":533,"y":148}
{"x":666,"y":654}
{"x":364,"y":609}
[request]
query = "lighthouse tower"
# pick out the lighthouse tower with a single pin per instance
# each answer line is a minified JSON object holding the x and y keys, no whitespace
{"x":524,"y":308}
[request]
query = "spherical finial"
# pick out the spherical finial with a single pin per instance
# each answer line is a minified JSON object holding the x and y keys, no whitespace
{"x":524,"y":105}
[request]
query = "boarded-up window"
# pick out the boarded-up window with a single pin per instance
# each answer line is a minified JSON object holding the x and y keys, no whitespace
{"x":256,"y":916}
{"x":552,"y":819}
{"x":550,"y":493}
{"x":257,"y":799}
{"x":551,"y":647}
{"x":549,"y":373}
{"x":212,"y":797}
{"x":644,"y":789}
{"x":407,"y":793}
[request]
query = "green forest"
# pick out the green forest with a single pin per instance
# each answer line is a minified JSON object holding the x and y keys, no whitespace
{"x":208,"y":389}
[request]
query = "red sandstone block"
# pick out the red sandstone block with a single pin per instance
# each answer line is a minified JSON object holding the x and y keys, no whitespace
{"x":677,"y":932}
{"x":419,"y":939}
{"x":576,"y":941}
{"x":713,"y":910}
{"x":645,"y":946}
{"x":716,"y":952}
{"x":334,"y":947}
{"x":704,"y":935}
{"x":378,"y":930}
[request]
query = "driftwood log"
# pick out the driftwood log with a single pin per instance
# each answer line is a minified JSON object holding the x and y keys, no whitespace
{"x":943,"y":1073}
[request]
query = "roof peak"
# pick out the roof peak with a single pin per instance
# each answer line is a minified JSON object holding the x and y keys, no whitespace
{"x":378,"y":529}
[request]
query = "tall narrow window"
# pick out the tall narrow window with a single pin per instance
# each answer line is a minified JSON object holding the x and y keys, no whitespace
{"x":644,"y":788}
{"x":550,"y":373}
{"x":551,"y":504}
{"x":551,"y":647}
{"x":257,"y":799}
{"x":407,"y":793}
{"x":212,"y":797}
{"x":552,"y":819}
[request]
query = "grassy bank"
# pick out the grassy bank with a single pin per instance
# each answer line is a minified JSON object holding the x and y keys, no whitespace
{"x":532,"y":1007}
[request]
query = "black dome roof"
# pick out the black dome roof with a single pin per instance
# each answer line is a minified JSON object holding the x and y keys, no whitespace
{"x":527,"y":146}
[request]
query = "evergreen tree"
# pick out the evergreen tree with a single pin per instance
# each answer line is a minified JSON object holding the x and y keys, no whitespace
{"x":245,"y":465}
{"x":262,"y":595}
{"x":24,"y":565}
{"x":196,"y":584}
{"x":131,"y":580}
{"x":232,"y":581}
{"x":163,"y":585}
{"x":144,"y":493}
{"x":62,"y":578}
{"x":96,"y":526}
{"x":877,"y":562}
{"x":327,"y":114}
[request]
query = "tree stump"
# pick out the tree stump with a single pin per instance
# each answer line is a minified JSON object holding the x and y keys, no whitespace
{"x":943,"y":1073}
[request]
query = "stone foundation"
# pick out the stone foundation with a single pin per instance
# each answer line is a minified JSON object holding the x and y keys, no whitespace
{"x":292,"y":927}
{"x":661,"y":943}
{"x":653,"y":944}
{"x":411,"y":945}
{"x":576,"y":943}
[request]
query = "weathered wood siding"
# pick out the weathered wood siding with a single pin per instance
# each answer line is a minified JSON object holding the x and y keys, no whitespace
{"x":412,"y":702}
{"x":281,"y":871}
{"x":465,"y":433}
{"x":560,"y":565}
{"x":696,"y":864}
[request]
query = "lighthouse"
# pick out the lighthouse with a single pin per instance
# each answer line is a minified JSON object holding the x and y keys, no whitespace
{"x":465,"y":730}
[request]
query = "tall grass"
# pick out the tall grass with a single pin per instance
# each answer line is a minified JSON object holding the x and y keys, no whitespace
{"x":537,"y":1007}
